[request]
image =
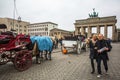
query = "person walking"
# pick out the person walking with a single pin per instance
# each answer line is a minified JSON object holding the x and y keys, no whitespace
{"x":60,"y":41}
{"x":56,"y":42}
{"x":101,"y":54}
{"x":93,"y":52}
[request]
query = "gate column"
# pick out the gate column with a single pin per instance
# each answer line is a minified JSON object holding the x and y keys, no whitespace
{"x":82,"y":30}
{"x":98,"y":29}
{"x":105,"y":31}
{"x":89,"y":31}
{"x":113,"y":32}
{"x":76,"y":31}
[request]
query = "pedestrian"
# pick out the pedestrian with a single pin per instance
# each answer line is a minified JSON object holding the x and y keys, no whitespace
{"x":93,"y":51}
{"x":109,"y":40}
{"x":60,"y":41}
{"x":101,"y":54}
{"x":56,"y":42}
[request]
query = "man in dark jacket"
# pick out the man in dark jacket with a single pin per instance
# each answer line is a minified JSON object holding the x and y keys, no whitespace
{"x":101,"y":54}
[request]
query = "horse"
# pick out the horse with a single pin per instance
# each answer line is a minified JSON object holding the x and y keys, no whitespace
{"x":42,"y":44}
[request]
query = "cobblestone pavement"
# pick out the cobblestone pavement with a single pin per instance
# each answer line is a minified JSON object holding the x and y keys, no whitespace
{"x":65,"y":67}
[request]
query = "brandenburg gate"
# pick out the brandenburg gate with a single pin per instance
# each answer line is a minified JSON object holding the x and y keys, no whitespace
{"x":95,"y":21}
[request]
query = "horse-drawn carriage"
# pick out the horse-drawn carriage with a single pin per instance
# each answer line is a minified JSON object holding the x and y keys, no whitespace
{"x":19,"y":49}
{"x":12,"y":48}
{"x":77,"y":43}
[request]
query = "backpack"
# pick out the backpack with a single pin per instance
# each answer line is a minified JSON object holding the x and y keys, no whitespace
{"x":109,"y":46}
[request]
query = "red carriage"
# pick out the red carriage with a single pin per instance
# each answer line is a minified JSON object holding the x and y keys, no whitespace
{"x":20,"y":49}
{"x":13,"y":49}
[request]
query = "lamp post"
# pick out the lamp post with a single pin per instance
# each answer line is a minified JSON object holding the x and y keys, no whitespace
{"x":19,"y":20}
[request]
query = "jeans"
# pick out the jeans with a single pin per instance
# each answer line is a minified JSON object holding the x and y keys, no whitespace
{"x":92,"y":64}
{"x":99,"y":64}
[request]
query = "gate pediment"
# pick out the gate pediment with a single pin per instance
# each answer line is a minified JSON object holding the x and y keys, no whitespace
{"x":97,"y":20}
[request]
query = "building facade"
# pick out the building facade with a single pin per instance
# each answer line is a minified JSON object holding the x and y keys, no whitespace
{"x":16,"y":25}
{"x":59,"y":33}
{"x":42,"y":29}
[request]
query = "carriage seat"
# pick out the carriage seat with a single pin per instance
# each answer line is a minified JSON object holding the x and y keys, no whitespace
{"x":5,"y":37}
{"x":9,"y":33}
{"x":4,"y":41}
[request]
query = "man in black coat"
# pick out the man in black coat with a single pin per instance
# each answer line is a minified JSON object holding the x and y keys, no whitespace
{"x":102,"y":49}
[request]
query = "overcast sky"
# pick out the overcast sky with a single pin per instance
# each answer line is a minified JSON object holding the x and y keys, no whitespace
{"x":62,"y":12}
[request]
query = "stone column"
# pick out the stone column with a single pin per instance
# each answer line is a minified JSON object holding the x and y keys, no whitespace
{"x":113,"y":32}
{"x":105,"y":31}
{"x":79,"y":30}
{"x":61,"y":34}
{"x":116,"y":34}
{"x":76,"y":31}
{"x":89,"y":31}
{"x":82,"y":30}
{"x":98,"y":29}
{"x":85,"y":32}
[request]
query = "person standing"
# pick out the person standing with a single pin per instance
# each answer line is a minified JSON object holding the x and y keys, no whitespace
{"x":60,"y":41}
{"x":101,"y":54}
{"x":93,"y":52}
{"x":56,"y":42}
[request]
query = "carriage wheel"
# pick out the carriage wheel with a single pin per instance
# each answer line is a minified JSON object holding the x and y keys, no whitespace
{"x":23,"y":60}
{"x":3,"y":58}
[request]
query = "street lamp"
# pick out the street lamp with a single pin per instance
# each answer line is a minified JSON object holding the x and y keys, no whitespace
{"x":19,"y":20}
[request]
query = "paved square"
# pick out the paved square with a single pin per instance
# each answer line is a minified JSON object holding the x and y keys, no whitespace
{"x":65,"y":67}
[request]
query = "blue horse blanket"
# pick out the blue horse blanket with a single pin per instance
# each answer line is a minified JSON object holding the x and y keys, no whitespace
{"x":43,"y":42}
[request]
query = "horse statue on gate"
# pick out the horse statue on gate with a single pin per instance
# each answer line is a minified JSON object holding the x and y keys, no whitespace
{"x":40,"y":44}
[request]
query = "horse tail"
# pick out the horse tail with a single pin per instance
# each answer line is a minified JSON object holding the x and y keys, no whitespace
{"x":35,"y":48}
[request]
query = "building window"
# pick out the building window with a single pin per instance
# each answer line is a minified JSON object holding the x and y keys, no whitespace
{"x":11,"y":23}
{"x":46,"y":29}
{"x":20,"y":25}
{"x":16,"y":25}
